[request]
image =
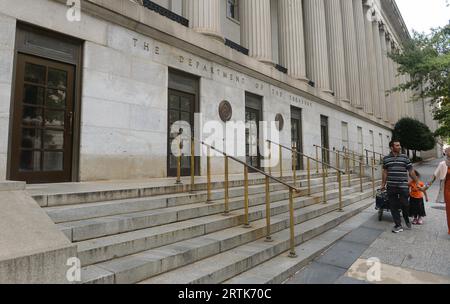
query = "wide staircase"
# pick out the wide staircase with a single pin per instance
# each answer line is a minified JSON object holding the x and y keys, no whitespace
{"x":207,"y":230}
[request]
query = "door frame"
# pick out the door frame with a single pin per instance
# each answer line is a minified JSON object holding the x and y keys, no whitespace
{"x":325,"y":153}
{"x":184,"y":172}
{"x":42,"y":176}
{"x":32,"y":40}
{"x":255,"y":102}
{"x":297,"y":114}
{"x":190,"y":86}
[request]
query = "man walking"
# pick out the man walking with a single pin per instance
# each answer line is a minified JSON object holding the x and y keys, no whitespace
{"x":396,"y":167}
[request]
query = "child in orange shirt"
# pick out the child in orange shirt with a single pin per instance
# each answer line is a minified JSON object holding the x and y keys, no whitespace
{"x":417,"y":206}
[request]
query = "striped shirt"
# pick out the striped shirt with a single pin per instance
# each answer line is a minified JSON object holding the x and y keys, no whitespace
{"x":397,"y":168}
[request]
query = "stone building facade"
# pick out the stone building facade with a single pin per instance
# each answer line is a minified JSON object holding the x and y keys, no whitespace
{"x":89,"y":89}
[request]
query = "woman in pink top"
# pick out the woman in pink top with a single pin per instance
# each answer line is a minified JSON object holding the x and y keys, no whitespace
{"x":443,"y":174}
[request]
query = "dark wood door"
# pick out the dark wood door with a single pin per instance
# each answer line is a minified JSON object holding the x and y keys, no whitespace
{"x":253,"y":116}
{"x":297,"y":135}
{"x":181,"y":109}
{"x":252,"y":137}
{"x":42,"y":122}
{"x":325,"y":140}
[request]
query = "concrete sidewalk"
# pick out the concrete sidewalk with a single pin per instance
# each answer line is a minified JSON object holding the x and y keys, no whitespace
{"x":419,"y":256}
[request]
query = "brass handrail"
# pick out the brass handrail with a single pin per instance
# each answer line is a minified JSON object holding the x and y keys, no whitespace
{"x":380,"y":154}
{"x":337,"y":151}
{"x":268,"y":177}
{"x":324,"y":165}
{"x":373,"y":155}
{"x":347,"y":158}
{"x":306,"y":156}
{"x":361,"y":165}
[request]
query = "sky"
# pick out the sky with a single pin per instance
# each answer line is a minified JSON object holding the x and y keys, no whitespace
{"x":421,"y":15}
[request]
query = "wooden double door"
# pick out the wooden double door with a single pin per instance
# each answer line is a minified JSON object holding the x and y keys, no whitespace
{"x":41,"y":147}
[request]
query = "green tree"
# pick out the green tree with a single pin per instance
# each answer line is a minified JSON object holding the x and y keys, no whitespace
{"x":426,"y":58}
{"x":414,"y":135}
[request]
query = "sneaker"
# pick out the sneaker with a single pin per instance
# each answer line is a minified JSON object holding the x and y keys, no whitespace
{"x":420,"y":221}
{"x":414,"y":222}
{"x":397,"y":229}
{"x":408,"y":226}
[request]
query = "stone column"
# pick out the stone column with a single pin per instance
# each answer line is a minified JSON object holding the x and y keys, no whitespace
{"x":291,"y":36}
{"x":397,"y":97}
{"x":336,"y":55}
{"x":380,"y":66}
{"x":350,"y":52}
{"x":386,"y":77}
{"x":362,"y":55}
{"x":316,"y":44}
{"x":374,"y":105}
{"x":393,"y":98}
{"x":204,"y":17}
{"x":256,"y":30}
{"x":409,"y":97}
{"x":405,"y":98}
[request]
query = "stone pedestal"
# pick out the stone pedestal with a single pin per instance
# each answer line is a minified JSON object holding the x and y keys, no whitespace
{"x":32,"y":248}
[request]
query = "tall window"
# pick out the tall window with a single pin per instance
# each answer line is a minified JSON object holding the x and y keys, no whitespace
{"x":381,"y":144}
{"x":372,"y":143}
{"x":360,"y":141}
{"x":325,"y":138}
{"x":233,"y":9}
{"x":345,"y":142}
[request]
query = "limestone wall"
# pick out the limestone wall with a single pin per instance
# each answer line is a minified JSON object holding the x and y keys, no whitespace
{"x":124,"y":94}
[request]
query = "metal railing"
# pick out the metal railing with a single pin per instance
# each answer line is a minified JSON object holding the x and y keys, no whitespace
{"x":347,"y":158}
{"x":247,"y":167}
{"x":325,"y":168}
{"x":374,"y":155}
{"x":268,"y":177}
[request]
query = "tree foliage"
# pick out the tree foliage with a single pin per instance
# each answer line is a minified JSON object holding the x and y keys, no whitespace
{"x":414,"y":135}
{"x":426,"y":58}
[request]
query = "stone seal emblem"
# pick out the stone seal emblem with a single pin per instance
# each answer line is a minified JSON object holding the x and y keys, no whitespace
{"x":225,"y":111}
{"x":279,"y":122}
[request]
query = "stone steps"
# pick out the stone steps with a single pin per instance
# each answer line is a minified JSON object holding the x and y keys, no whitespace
{"x":225,"y":265}
{"x":111,"y":225}
{"x":280,"y":268}
{"x":78,"y":212}
{"x":102,"y":192}
{"x":190,"y":241}
{"x":106,"y":248}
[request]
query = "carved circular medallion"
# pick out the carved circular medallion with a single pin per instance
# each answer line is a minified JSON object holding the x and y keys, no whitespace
{"x":225,"y":111}
{"x":279,"y":122}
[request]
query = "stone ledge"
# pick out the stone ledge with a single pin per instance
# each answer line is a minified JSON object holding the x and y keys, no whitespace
{"x":12,"y":186}
{"x":44,"y":267}
{"x":32,"y":249}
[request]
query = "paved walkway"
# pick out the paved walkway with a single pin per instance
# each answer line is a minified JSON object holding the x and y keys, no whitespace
{"x":421,"y":255}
